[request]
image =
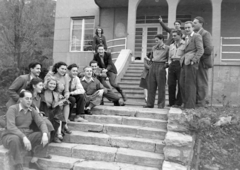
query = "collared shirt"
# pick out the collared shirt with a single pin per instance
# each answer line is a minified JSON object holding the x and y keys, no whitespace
{"x":21,"y":109}
{"x":160,"y":53}
{"x":75,"y":87}
{"x":84,"y":79}
{"x":176,"y":52}
{"x":188,"y":36}
{"x":91,"y":86}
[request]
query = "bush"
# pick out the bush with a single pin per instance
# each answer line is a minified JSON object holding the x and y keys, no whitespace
{"x":219,"y":131}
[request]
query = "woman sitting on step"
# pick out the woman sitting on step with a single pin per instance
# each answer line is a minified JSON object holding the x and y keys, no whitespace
{"x":52,"y":104}
{"x":59,"y":71}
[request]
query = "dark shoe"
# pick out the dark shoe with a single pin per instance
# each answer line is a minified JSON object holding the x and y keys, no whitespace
{"x":35,"y":165}
{"x":66,"y":130}
{"x":18,"y":167}
{"x":88,"y":112}
{"x":57,"y":140}
{"x":118,"y":103}
{"x":102,"y":102}
{"x":147,"y":107}
{"x":47,"y":157}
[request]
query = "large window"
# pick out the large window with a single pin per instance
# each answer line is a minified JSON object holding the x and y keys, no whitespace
{"x":82,"y":30}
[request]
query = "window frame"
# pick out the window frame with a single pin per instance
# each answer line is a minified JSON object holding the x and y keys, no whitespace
{"x":83,"y":33}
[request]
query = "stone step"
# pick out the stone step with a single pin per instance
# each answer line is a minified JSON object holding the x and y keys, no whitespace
{"x":136,"y":92}
{"x":89,"y":138}
{"x":136,"y":104}
{"x":107,"y":154}
{"x":131,"y":121}
{"x":132,"y":75}
{"x":136,"y":68}
{"x":151,"y":113}
{"x":66,"y":163}
{"x":136,"y":65}
{"x":122,"y":130}
{"x":130,"y":79}
{"x":134,"y":71}
{"x":141,"y":97}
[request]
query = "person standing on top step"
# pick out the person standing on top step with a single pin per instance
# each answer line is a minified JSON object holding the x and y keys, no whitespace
{"x":104,"y":60}
{"x":144,"y":76}
{"x":157,"y":73}
{"x":176,"y":51}
{"x":177,"y":25}
{"x":189,"y":62}
{"x":98,"y":39}
{"x":205,"y":62}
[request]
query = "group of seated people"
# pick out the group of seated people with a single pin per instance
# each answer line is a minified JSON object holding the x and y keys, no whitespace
{"x":39,"y":110}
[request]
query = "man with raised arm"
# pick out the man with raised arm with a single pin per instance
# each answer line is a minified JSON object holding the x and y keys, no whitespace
{"x":177,"y":25}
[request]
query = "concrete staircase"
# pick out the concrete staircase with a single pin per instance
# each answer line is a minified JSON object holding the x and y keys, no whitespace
{"x":130,"y":85}
{"x":115,"y":138}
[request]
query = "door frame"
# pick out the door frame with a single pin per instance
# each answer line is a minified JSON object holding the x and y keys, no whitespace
{"x":144,"y":41}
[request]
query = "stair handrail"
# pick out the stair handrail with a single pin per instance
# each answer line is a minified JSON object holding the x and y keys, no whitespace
{"x":119,"y":45}
{"x":229,"y":45}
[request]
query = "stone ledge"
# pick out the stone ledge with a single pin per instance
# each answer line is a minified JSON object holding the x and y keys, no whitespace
{"x":176,"y":120}
{"x":173,"y":166}
{"x":178,"y":139}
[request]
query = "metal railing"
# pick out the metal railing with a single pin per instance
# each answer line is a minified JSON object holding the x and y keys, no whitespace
{"x":113,"y":41}
{"x":229,"y":45}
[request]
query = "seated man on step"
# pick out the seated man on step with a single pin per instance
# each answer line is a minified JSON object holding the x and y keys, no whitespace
{"x":18,"y":136}
{"x":94,"y":91}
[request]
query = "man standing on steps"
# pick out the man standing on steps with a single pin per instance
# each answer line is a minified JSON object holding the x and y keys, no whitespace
{"x":189,"y":63}
{"x":177,"y":25}
{"x":105,"y":62}
{"x":205,"y":61}
{"x":22,"y":81}
{"x":176,"y":51}
{"x":157,"y":73}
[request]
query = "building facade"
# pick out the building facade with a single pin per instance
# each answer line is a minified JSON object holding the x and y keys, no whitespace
{"x":137,"y":20}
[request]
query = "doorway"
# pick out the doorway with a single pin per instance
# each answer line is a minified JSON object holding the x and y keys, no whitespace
{"x":144,"y":40}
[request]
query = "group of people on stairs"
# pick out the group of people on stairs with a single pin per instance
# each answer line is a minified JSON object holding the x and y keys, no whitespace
{"x":39,"y":110}
{"x":187,"y":55}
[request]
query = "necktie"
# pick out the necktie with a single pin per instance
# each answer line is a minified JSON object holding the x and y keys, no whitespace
{"x":70,"y":84}
{"x":103,"y":64}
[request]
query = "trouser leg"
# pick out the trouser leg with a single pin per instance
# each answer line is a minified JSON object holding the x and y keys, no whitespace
{"x":37,"y":148}
{"x":72,"y":100}
{"x":79,"y":100}
{"x":104,"y":83}
{"x":190,"y":85}
{"x":182,"y":83}
{"x":15,"y":146}
{"x":111,"y":96}
{"x":179,"y":96}
{"x":202,"y":83}
{"x":171,"y":84}
{"x":161,"y":83}
{"x":152,"y":85}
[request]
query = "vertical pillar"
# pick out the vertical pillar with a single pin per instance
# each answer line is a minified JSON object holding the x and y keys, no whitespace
{"x":216,"y":28}
{"x":172,"y":12}
{"x":131,"y":23}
